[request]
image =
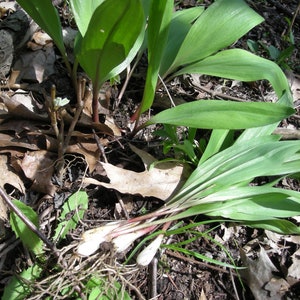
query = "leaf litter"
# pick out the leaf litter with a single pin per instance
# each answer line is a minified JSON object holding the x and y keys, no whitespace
{"x":160,"y":180}
{"x":27,"y":160}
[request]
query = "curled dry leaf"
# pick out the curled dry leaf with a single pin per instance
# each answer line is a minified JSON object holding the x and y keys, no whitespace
{"x":160,"y":181}
{"x":36,"y":66}
{"x":8,"y":177}
{"x":22,"y":106}
{"x":294,"y":81}
{"x":7,"y":140}
{"x":260,"y":278}
{"x":294,"y":269}
{"x":38,"y":166}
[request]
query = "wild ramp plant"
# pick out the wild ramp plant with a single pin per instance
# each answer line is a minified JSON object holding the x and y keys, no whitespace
{"x":221,"y":184}
{"x":109,"y":35}
{"x":108,"y":41}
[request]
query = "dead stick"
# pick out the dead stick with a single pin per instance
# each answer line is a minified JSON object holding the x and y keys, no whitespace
{"x":193,"y":261}
{"x":28,"y":223}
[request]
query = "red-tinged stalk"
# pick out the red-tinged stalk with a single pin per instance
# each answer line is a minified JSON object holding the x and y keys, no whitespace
{"x":123,"y":233}
{"x":145,"y":229}
{"x":95,"y":104}
{"x":123,"y":241}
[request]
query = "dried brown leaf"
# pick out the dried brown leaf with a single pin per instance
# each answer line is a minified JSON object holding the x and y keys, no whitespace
{"x":38,"y":166}
{"x":294,"y":269}
{"x":8,"y":177}
{"x":88,"y":149}
{"x":260,"y":278}
{"x":37,"y":65}
{"x":160,"y":181}
{"x":22,"y":106}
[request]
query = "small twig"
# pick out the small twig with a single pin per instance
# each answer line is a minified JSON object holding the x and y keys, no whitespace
{"x":100,"y":146}
{"x":51,"y":110}
{"x":234,"y":285}
{"x":153,"y":279}
{"x":134,"y":288}
{"x":82,"y":98}
{"x":28,"y":223}
{"x":65,"y":141}
{"x":288,"y":133}
{"x":60,"y":153}
{"x":216,"y":94}
{"x":294,"y":18}
{"x":166,"y":89}
{"x":122,"y":205}
{"x":128,"y":76}
{"x":182,"y":257}
{"x":9,"y":247}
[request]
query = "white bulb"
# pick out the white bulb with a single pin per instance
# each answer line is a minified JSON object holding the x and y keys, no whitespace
{"x":93,"y":238}
{"x":145,"y":257}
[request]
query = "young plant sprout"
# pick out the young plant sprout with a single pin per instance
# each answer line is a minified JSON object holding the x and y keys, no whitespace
{"x":60,"y":102}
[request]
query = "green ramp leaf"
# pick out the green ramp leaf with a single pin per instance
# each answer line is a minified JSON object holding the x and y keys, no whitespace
{"x":82,"y":11}
{"x":278,"y":225}
{"x":241,"y":65}
{"x":160,"y":16}
{"x":240,"y":164}
{"x":254,"y":203}
{"x":219,"y":26}
{"x":46,"y":16}
{"x":28,"y":238}
{"x":181,"y":23}
{"x":72,"y":211}
{"x":18,"y":288}
{"x":111,"y":34}
{"x":218,"y":114}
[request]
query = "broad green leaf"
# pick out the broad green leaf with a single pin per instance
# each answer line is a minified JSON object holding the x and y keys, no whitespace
{"x":46,"y":16}
{"x":257,"y":202}
{"x":28,"y":238}
{"x":112,"y":32}
{"x":277,"y":225}
{"x":240,"y":164}
{"x":241,"y":65}
{"x":253,"y":133}
{"x":131,"y":55}
{"x":179,"y":27}
{"x":160,"y":16}
{"x":17,"y":289}
{"x":219,"y":26}
{"x":245,"y":161}
{"x":256,"y":206}
{"x":72,"y":212}
{"x":216,"y":209}
{"x":100,"y":288}
{"x":218,"y":114}
{"x":215,"y":143}
{"x":82,"y":11}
